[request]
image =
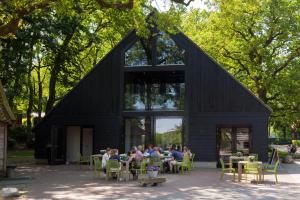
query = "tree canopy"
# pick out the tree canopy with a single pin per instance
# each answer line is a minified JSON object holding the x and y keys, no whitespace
{"x":258,"y":42}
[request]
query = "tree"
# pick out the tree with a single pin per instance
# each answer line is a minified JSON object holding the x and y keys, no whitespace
{"x":14,"y":11}
{"x":257,"y":41}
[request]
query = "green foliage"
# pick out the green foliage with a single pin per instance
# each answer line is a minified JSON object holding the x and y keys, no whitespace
{"x":19,"y":134}
{"x":296,"y":143}
{"x":54,"y":43}
{"x":11,"y":143}
{"x":257,"y":42}
{"x":282,"y":154}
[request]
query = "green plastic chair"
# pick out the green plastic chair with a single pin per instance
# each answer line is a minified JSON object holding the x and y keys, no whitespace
{"x":185,"y":164}
{"x":224,"y":169}
{"x":113,"y":167}
{"x":81,"y":159}
{"x":156,"y":161}
{"x":271,"y":169}
{"x":252,"y":168}
{"x":192,"y":162}
{"x":97,"y":166}
{"x":141,"y":169}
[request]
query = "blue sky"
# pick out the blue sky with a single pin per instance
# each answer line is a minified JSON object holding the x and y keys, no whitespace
{"x":165,"y":124}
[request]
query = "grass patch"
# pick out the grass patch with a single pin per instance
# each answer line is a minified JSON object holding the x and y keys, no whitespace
{"x":20,"y":153}
{"x":20,"y":156}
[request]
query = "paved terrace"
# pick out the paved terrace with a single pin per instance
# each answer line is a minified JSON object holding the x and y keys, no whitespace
{"x":71,"y":182}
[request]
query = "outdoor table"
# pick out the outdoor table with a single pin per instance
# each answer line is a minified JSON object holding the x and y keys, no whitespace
{"x":236,"y":159}
{"x":92,"y":159}
{"x":144,"y":180}
{"x":244,"y":162}
{"x":126,"y":172}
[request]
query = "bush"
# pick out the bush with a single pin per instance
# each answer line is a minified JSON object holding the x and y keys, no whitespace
{"x":30,"y":143}
{"x":19,"y":134}
{"x":282,"y":154}
{"x":296,"y":143}
{"x":11,"y":143}
{"x":282,"y":141}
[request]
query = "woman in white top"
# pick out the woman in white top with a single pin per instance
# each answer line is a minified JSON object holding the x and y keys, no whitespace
{"x":105,"y":158}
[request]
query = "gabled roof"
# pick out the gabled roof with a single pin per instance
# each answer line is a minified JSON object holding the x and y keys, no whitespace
{"x":185,"y":37}
{"x":129,"y":40}
{"x":6,"y":115}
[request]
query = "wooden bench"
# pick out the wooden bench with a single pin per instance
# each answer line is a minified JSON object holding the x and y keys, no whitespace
{"x":145,"y":180}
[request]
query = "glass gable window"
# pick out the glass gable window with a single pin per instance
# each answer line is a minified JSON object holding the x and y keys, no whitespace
{"x":136,"y":55}
{"x":167,"y":51}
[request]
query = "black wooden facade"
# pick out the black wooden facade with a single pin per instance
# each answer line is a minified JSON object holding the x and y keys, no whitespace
{"x":213,"y":98}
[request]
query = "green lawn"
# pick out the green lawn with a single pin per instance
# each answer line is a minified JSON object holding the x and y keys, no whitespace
{"x":20,"y":156}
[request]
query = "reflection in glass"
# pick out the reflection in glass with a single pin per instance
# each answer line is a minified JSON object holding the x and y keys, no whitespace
{"x":135,"y":97}
{"x":138,"y":55}
{"x":242,"y":140}
{"x":168,"y":131}
{"x":225,"y":141}
{"x":167,"y":96}
{"x":135,"y":133}
{"x":167,"y":50}
{"x":160,"y":96}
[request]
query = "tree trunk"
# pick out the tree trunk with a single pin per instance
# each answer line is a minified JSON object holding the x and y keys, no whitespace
{"x":40,"y":92}
{"x":30,"y":96}
{"x":58,"y":63}
{"x":52,"y":92}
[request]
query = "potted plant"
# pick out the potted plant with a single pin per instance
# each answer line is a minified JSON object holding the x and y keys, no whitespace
{"x":152,"y":171}
{"x":251,"y":158}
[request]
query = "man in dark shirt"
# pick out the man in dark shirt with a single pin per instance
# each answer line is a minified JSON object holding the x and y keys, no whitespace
{"x":177,"y":156}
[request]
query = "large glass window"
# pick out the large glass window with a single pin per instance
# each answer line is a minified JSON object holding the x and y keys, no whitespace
{"x":168,"y":131}
{"x":167,"y":50}
{"x":225,"y":141}
{"x":135,"y":96}
{"x":154,"y":91}
{"x":232,"y":140}
{"x":137,"y":132}
{"x":242,"y":140}
{"x":167,"y":96}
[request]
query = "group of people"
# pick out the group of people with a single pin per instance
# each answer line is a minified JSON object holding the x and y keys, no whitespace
{"x":137,"y":154}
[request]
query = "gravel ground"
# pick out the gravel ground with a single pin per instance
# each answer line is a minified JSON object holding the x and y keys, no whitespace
{"x":71,"y":182}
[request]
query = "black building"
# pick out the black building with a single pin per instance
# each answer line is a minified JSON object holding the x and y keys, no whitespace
{"x":163,"y":90}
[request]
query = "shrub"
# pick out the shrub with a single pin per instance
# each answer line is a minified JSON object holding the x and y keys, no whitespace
{"x":19,"y":134}
{"x":11,"y":143}
{"x":282,"y":154}
{"x":282,"y":141}
{"x":296,"y":143}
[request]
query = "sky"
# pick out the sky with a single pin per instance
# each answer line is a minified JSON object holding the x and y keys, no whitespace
{"x":166,"y":124}
{"x":163,"y":5}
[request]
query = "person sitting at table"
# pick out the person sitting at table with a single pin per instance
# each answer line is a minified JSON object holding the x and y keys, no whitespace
{"x":156,"y":152}
{"x":114,"y":155}
{"x":138,"y":153}
{"x":177,"y":156}
{"x":149,"y":151}
{"x":187,"y":152}
{"x":105,"y":158}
